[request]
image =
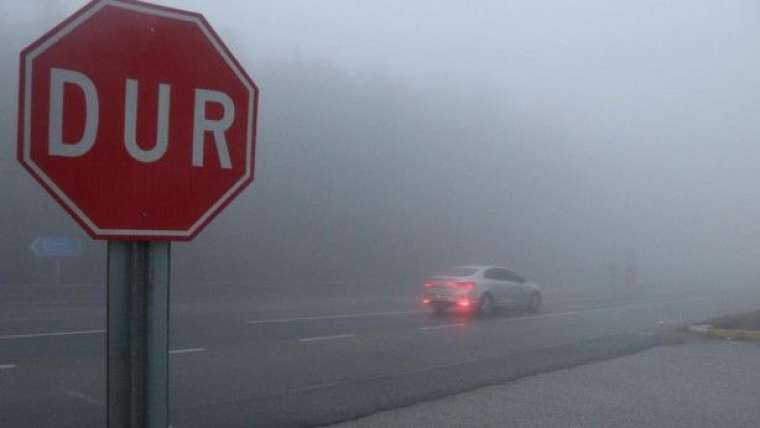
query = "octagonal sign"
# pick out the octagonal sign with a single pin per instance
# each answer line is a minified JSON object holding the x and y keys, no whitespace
{"x":137,"y":120}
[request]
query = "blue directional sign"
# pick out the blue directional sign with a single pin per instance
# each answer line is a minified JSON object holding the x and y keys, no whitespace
{"x":56,"y":246}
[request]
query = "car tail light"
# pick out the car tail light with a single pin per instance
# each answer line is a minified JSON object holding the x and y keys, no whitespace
{"x":463,"y":303}
{"x":426,"y":301}
{"x":429,"y":284}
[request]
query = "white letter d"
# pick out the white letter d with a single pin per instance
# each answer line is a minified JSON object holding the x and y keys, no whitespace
{"x":56,"y":147}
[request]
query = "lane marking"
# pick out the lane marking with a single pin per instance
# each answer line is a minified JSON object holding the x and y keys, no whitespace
{"x":418,"y":312}
{"x":319,"y":338}
{"x":437,"y":327}
{"x":186,"y":350}
{"x":7,"y":366}
{"x":571,"y":313}
{"x":553,"y":315}
{"x":333,"y":317}
{"x":326,"y":385}
{"x":52,"y":334}
{"x":604,"y":309}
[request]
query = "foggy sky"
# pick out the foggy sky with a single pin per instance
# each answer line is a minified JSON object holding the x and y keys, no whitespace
{"x":556,"y":137}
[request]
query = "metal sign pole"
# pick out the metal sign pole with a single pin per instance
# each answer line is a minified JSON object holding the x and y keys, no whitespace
{"x":137,"y":336}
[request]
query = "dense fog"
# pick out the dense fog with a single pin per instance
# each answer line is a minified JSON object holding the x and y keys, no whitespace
{"x":576,"y":143}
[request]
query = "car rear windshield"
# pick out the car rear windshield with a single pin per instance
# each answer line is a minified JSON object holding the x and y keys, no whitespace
{"x":460,"y":271}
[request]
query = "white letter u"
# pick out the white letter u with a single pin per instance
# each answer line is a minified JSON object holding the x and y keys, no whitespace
{"x":130,"y":123}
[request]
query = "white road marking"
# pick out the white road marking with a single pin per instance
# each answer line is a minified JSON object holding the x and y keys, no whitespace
{"x":186,"y":350}
{"x":605,"y":309}
{"x":462,"y":362}
{"x":332,"y":317}
{"x":565,"y":314}
{"x":391,"y":313}
{"x":7,"y":366}
{"x":319,"y":338}
{"x":437,"y":327}
{"x":475,"y":360}
{"x":51,"y":334}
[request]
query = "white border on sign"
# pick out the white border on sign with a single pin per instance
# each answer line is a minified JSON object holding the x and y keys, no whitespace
{"x":28,"y":114}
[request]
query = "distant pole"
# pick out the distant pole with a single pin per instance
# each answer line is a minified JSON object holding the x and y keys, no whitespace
{"x":138,"y":334}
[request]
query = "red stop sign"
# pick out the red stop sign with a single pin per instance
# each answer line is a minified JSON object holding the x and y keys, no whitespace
{"x":137,"y":119}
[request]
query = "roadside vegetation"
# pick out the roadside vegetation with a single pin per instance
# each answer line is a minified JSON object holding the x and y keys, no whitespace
{"x":744,"y":321}
{"x":744,"y":326}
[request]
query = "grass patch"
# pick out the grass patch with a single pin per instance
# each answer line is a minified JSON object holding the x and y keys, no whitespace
{"x":745,"y":321}
{"x":738,"y":334}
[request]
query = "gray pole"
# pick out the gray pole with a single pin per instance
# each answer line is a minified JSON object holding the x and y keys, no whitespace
{"x":137,"y":338}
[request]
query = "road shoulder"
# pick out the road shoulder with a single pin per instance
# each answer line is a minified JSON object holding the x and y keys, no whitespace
{"x":695,"y":383}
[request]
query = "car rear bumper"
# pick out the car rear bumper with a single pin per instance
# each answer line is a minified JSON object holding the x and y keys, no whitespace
{"x":464,"y":302}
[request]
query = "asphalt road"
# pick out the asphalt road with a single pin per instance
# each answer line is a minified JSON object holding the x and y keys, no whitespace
{"x":253,"y":363}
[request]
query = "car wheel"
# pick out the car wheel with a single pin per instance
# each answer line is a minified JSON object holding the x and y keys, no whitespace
{"x":485,"y":305}
{"x":535,"y":302}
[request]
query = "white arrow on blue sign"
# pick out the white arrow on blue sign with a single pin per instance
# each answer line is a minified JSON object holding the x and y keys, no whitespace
{"x":55,"y":246}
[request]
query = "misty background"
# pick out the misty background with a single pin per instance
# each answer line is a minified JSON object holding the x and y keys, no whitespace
{"x":567,"y":140}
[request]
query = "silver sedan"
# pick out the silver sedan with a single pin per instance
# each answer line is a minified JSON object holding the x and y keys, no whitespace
{"x":481,"y":289}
